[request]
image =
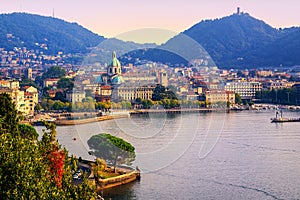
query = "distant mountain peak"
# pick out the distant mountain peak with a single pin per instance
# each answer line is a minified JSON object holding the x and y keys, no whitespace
{"x":235,"y":41}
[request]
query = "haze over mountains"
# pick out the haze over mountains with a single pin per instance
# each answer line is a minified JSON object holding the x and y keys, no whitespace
{"x":238,"y":40}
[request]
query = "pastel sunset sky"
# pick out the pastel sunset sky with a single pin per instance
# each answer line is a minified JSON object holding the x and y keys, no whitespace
{"x":111,"y":18}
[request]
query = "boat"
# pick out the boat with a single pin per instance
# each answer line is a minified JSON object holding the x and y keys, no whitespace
{"x":279,"y":119}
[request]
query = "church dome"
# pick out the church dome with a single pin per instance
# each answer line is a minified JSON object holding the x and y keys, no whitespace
{"x":117,"y":79}
{"x":115,"y":62}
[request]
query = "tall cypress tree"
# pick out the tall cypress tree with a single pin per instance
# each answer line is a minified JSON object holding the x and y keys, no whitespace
{"x":8,"y":114}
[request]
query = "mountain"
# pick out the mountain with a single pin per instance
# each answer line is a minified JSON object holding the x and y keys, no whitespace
{"x":283,"y":51}
{"x":241,"y":40}
{"x":228,"y":39}
{"x":103,"y":51}
{"x":52,"y":35}
{"x":48,"y":34}
{"x":235,"y":41}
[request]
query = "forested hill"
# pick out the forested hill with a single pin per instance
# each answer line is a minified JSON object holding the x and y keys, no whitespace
{"x":240,"y":40}
{"x":51,"y":35}
{"x":235,"y":41}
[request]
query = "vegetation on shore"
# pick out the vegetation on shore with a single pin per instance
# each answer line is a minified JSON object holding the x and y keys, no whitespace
{"x":286,"y":96}
{"x":114,"y":150}
{"x":32,"y":168}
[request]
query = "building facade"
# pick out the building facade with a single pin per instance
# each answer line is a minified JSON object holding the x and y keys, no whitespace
{"x":25,"y":100}
{"x":245,"y":89}
{"x":131,"y":92}
{"x":216,"y":96}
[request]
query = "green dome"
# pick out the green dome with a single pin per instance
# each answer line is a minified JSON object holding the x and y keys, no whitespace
{"x":115,"y":62}
{"x":117,"y":80}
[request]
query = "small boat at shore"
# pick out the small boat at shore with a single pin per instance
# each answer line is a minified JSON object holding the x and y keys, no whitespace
{"x":279,"y":119}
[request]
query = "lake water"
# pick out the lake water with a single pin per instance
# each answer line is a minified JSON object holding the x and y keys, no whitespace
{"x":237,"y":155}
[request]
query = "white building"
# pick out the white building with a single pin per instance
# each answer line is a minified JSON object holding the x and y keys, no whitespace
{"x":245,"y":89}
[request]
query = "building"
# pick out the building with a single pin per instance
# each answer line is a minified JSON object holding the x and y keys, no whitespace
{"x":216,"y":96}
{"x":32,"y":90}
{"x":50,"y":82}
{"x":25,"y":100}
{"x":75,"y":96}
{"x":130,"y":92}
{"x":103,"y":93}
{"x":163,"y":79}
{"x":29,"y":73}
{"x":114,"y":73}
{"x":189,"y":96}
{"x":11,"y":84}
{"x":29,"y":102}
{"x":276,"y":85}
{"x":115,"y":66}
{"x":245,"y":89}
{"x":4,"y":84}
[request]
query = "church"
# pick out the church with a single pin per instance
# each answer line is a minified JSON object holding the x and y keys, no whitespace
{"x":113,"y":76}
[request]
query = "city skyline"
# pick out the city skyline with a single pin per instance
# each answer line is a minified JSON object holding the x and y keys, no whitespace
{"x":164,"y":19}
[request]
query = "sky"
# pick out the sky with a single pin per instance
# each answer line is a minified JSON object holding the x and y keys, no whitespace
{"x":158,"y":19}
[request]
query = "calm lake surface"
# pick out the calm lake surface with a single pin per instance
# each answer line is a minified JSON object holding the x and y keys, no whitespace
{"x":237,"y":155}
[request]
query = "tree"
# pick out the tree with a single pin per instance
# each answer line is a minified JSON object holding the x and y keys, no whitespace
{"x":54,"y":72}
{"x":27,"y":82}
{"x":238,"y":98}
{"x":65,"y":83}
{"x":60,"y":96}
{"x":32,"y":169}
{"x":112,"y":149}
{"x":28,"y":132}
{"x":147,"y":104}
{"x":160,"y":92}
{"x":58,"y":105}
{"x":8,"y":114}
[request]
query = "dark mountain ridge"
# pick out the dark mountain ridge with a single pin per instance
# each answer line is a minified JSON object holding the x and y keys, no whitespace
{"x":240,"y":41}
{"x":235,"y":41}
{"x":48,"y":34}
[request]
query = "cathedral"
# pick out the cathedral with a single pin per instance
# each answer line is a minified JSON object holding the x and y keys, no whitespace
{"x":113,"y":75}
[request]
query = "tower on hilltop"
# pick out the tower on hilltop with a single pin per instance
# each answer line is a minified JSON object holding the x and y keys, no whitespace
{"x":238,"y":11}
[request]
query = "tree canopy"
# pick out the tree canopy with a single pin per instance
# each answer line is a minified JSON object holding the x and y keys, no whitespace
{"x":32,"y":168}
{"x":28,"y":132}
{"x":8,"y":114}
{"x":54,"y":72}
{"x":114,"y":150}
{"x":160,"y":92}
{"x":65,"y":83}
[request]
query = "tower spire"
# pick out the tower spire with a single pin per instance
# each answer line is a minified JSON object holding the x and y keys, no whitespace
{"x":238,"y":11}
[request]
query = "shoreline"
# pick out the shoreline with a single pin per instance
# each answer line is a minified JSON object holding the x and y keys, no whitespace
{"x":66,"y":122}
{"x":117,"y":115}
